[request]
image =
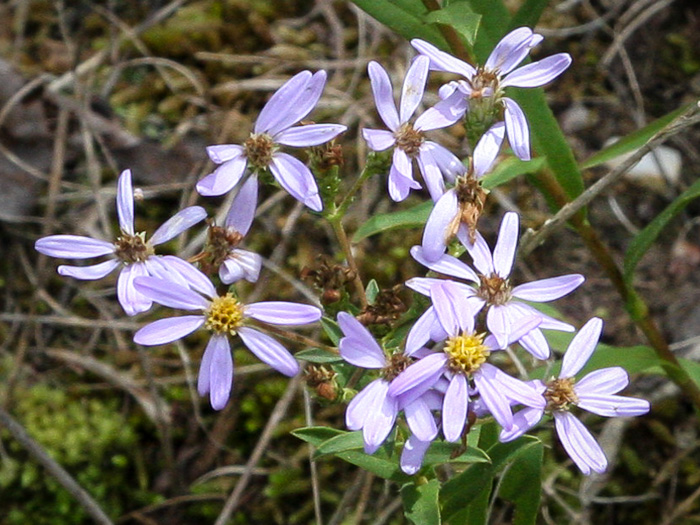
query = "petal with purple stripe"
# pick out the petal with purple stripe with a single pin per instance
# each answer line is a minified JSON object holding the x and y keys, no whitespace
{"x":269,"y":351}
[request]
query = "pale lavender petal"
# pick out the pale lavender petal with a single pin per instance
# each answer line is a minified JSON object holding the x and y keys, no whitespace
{"x":538,"y":73}
{"x":269,"y":351}
{"x":523,"y":420}
{"x":399,"y":185}
{"x":358,"y":409}
{"x":168,"y":330}
{"x":282,"y":312}
{"x":241,"y":264}
{"x":285,"y":104}
{"x":609,"y":405}
{"x":420,"y":376}
{"x":422,"y":285}
{"x":498,"y":324}
{"x":89,"y":273}
{"x":545,"y":290}
{"x":511,"y":388}
{"x":125,"y":202}
{"x":448,"y":303}
{"x":492,"y":396}
{"x":420,"y":420}
{"x":378,"y":139}
{"x":220,"y":371}
{"x":450,"y":165}
{"x":517,"y":129}
{"x":413,"y":87}
{"x":521,"y":326}
{"x":195,"y":278}
{"x":581,"y":347}
{"x":159,"y":268}
{"x":504,"y":252}
{"x":443,"y":114}
{"x":447,"y":90}
{"x":221,"y":153}
{"x":431,"y":174}
{"x":170,"y":294}
{"x":204,"y":377}
{"x":447,"y":264}
{"x":420,"y":332}
{"x":487,"y":149}
{"x":177,"y":224}
{"x":359,"y":347}
{"x":454,"y":408}
{"x":297,"y":179}
{"x":380,"y":420}
{"x":481,"y":255}
{"x":242,"y":212}
{"x":131,"y":299}
{"x":536,"y":343}
{"x":604,"y":381}
{"x":383,"y":95}
{"x":438,"y":228}
{"x":402,"y":164}
{"x":412,"y":455}
{"x":548,"y":323}
{"x":223,"y":179}
{"x":73,"y":246}
{"x":441,"y":61}
{"x":578,"y":442}
{"x":309,"y":135}
{"x":510,"y":51}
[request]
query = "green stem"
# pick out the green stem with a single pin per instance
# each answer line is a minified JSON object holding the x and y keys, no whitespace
{"x":337,"y":225}
{"x":450,"y":34}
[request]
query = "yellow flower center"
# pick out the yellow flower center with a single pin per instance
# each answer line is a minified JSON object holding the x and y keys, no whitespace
{"x":466,"y":352}
{"x":132,"y":248}
{"x":259,"y":148}
{"x":409,"y":139}
{"x":560,"y":394}
{"x":225,"y":315}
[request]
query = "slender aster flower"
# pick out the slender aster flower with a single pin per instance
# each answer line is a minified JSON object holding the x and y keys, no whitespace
{"x":221,"y":251}
{"x":458,"y":210}
{"x":463,"y":359}
{"x":408,"y":139}
{"x":481,"y":93}
{"x":290,"y":104}
{"x":373,"y":410}
{"x":223,"y":316}
{"x":596,"y":392}
{"x":494,"y":290}
{"x":131,"y":251}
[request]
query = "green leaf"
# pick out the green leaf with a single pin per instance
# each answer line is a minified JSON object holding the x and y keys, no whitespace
{"x":459,"y":492}
{"x":316,"y":355}
{"x":509,"y":169}
{"x":316,"y":435}
{"x":633,"y":141}
{"x":529,"y":13}
{"x":645,"y":238}
{"x":414,"y":217}
{"x":378,"y":463}
{"x":420,"y":502}
{"x":332,"y":329}
{"x":441,"y":452}
{"x":340,"y":443}
{"x":692,"y":368}
{"x":372,"y":291}
{"x":522,"y":484}
{"x":459,"y":16}
{"x":404,"y":17}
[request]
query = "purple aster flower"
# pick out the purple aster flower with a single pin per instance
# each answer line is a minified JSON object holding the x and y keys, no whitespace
{"x":132,"y":251}
{"x":291,"y":103}
{"x":373,"y":410}
{"x":596,"y":392}
{"x":221,"y":251}
{"x":458,"y":210}
{"x":224,"y":316}
{"x":482,"y":90}
{"x":493,"y":289}
{"x":461,"y":360}
{"x":408,"y":139}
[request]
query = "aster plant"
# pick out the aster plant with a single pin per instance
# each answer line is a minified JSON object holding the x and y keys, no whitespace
{"x":439,"y":384}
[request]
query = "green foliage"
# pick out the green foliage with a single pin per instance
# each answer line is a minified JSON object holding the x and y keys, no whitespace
{"x":90,"y":438}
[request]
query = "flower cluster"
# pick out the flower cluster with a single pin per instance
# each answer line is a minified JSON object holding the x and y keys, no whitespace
{"x":450,"y":368}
